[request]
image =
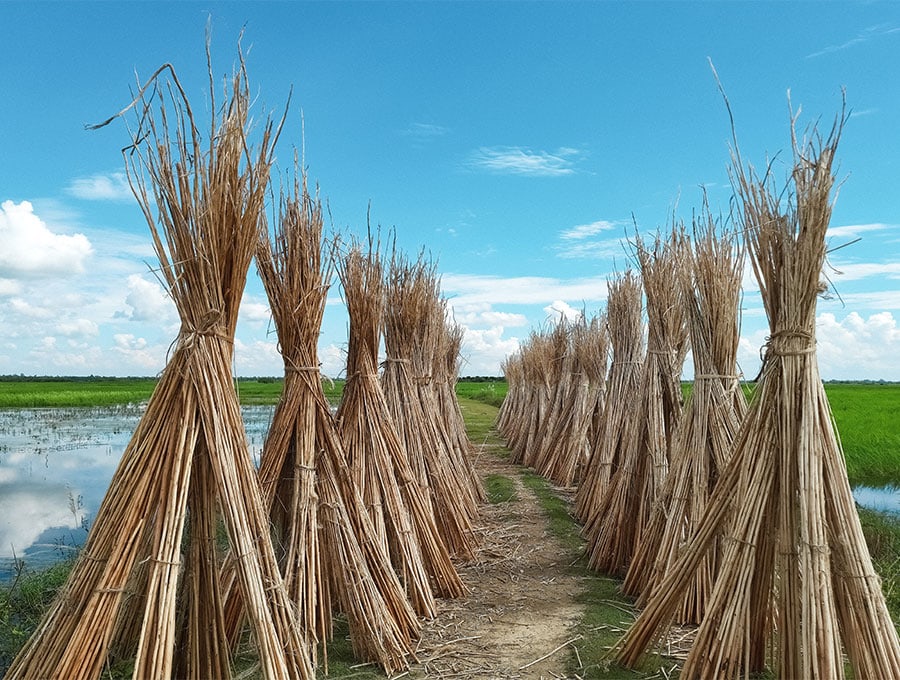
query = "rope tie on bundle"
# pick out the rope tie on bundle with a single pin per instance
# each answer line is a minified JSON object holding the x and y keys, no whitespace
{"x":291,"y":367}
{"x":779,"y":343}
{"x":209,"y":326}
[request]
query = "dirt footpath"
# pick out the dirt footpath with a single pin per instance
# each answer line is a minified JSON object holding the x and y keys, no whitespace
{"x":521,"y":609}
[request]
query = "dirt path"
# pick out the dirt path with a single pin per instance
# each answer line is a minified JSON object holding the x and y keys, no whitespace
{"x":521,"y":605}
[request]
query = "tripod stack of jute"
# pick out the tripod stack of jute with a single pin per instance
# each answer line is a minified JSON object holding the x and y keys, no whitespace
{"x":567,"y":447}
{"x":414,"y":322}
{"x":623,"y":317}
{"x":329,"y":552}
{"x":615,"y":530}
{"x":714,"y":411}
{"x":796,"y":585}
{"x":146,"y":585}
{"x":394,"y":499}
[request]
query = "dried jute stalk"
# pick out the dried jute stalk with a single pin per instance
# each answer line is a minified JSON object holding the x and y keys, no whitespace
{"x":715,"y":408}
{"x":623,"y":317}
{"x":147,"y":581}
{"x":616,"y":529}
{"x":396,"y":503}
{"x":796,"y":578}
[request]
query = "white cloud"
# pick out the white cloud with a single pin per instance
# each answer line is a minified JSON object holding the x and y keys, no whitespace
{"x":78,"y":328}
{"x":9,"y":287}
{"x":471,"y":289}
{"x":519,"y":160}
{"x":583,"y":231}
{"x":254,"y":311}
{"x":861,"y":270}
{"x":858,"y":348}
{"x":852,"y":348}
{"x":484,"y":350}
{"x":148,"y":301}
{"x":560,"y":309}
{"x":128,"y":342}
{"x":423,"y":131}
{"x":333,"y":360}
{"x":854,"y":230}
{"x":605,"y":249}
{"x":111,"y":187}
{"x":862,"y":37}
{"x":482,"y":314}
{"x":31,"y":250}
{"x":26,"y":309}
{"x":258,"y":357}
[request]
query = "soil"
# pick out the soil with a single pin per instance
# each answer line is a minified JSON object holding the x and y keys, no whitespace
{"x":517,"y":620}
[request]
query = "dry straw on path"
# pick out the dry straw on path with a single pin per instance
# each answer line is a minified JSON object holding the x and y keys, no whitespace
{"x":147,"y":579}
{"x":329,"y":552}
{"x":377,"y":457}
{"x":623,"y":315}
{"x":624,"y":513}
{"x":711,"y":288}
{"x":796,"y":580}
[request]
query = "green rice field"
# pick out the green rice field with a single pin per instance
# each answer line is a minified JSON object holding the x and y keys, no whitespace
{"x":867,"y":414}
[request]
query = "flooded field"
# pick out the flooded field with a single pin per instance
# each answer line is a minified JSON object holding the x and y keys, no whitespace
{"x":56,"y":464}
{"x":55,"y":467}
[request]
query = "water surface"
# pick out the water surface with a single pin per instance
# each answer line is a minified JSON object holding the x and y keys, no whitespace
{"x":55,"y":467}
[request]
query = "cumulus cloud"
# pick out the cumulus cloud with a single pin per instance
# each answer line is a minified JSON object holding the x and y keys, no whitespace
{"x":254,"y":311}
{"x":850,"y":348}
{"x":109,"y":187}
{"x":31,"y":250}
{"x":9,"y":287}
{"x":258,"y":357}
{"x":78,"y":328}
{"x":858,"y":348}
{"x":518,"y":160}
{"x":333,"y":359}
{"x":26,"y":309}
{"x":484,"y":350}
{"x":560,"y":309}
{"x":148,"y":301}
{"x":483,"y":314}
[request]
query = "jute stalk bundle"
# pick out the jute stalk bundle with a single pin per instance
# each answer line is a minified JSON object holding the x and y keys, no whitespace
{"x":512,"y":411}
{"x":535,"y":356}
{"x":796,"y":578}
{"x":187,"y":460}
{"x":711,"y":289}
{"x":328,"y":549}
{"x":413,"y":320}
{"x":557,"y":361}
{"x":568,"y":446}
{"x":446,"y":373}
{"x":623,"y":314}
{"x":615,"y":531}
{"x":381,"y":470}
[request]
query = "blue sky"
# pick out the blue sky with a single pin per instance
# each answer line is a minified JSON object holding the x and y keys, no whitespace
{"x":515,"y":142}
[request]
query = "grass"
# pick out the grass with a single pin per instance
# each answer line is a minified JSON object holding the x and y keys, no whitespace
{"x":74,"y":392}
{"x":491,"y":392}
{"x":23,"y":603}
{"x":500,"y":489}
{"x":866,"y":415}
